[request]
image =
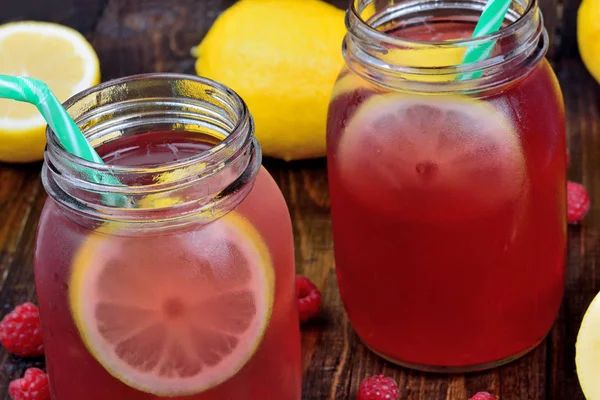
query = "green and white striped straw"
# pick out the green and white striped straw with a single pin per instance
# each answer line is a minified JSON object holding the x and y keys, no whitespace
{"x":36,"y":92}
{"x":490,"y":21}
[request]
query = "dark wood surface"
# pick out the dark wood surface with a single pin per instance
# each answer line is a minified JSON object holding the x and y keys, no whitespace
{"x":134,"y":36}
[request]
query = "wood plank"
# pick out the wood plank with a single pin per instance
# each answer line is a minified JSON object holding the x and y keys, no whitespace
{"x":79,"y":14}
{"x":21,"y":199}
{"x":326,"y":343}
{"x":582,"y":96}
{"x":141,"y":36}
{"x":551,"y":10}
{"x":567,"y":29}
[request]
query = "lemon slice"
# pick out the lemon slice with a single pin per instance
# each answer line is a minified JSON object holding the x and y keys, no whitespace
{"x":55,"y":54}
{"x":174,"y":315}
{"x":431,"y":158}
{"x":587,"y":351}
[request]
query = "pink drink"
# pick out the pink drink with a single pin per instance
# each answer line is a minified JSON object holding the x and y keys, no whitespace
{"x":199,"y":311}
{"x":449,"y":214}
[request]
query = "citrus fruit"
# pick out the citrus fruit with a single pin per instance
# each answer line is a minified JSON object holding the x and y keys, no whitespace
{"x":588,"y":30}
{"x":282,"y":57}
{"x":431,"y":157}
{"x":55,"y":54}
{"x":587,"y":351}
{"x":177,"y":314}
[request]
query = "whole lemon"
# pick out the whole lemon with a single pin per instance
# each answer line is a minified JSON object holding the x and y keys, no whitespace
{"x":588,"y":32}
{"x":282,"y":57}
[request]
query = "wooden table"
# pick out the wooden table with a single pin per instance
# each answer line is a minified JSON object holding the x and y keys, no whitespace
{"x":135,"y":36}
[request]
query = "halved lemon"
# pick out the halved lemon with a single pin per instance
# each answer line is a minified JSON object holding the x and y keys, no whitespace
{"x":176,"y":314}
{"x":52,"y":53}
{"x":430,"y":158}
{"x":587,"y":351}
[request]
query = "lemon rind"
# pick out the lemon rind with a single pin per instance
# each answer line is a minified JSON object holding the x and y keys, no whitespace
{"x":77,"y":291}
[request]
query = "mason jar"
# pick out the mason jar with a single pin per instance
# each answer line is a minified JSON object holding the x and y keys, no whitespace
{"x":447,"y":182}
{"x":168,"y":271}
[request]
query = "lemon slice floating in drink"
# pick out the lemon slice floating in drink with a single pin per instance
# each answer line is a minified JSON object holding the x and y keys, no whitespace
{"x":178,"y":314}
{"x":429,"y":158}
{"x":587,"y":351}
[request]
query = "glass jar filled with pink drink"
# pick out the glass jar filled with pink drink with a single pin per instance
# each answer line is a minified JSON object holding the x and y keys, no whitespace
{"x":175,"y":277}
{"x":447,"y":183}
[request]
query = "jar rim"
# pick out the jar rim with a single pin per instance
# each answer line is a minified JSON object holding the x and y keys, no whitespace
{"x":235,"y":135}
{"x":366,"y":47}
{"x":190,"y":190}
{"x":505,"y":31}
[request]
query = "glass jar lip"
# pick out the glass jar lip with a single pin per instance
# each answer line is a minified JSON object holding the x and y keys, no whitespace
{"x":514,"y":27}
{"x":240,"y":128}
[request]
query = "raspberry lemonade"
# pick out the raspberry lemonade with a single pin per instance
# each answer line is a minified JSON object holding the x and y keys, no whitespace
{"x":447,"y":194}
{"x":180,"y":281}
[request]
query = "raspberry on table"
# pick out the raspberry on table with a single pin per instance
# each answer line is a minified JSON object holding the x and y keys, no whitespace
{"x":21,"y":331}
{"x":378,"y":387}
{"x":309,"y":299}
{"x":33,"y":386}
{"x":483,"y":396}
{"x":578,"y":202}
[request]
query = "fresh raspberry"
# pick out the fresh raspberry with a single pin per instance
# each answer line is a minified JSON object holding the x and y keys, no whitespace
{"x":33,"y":386}
{"x":483,"y":396}
{"x":309,"y":299}
{"x":21,"y":332}
{"x":578,"y":202}
{"x":378,"y":387}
